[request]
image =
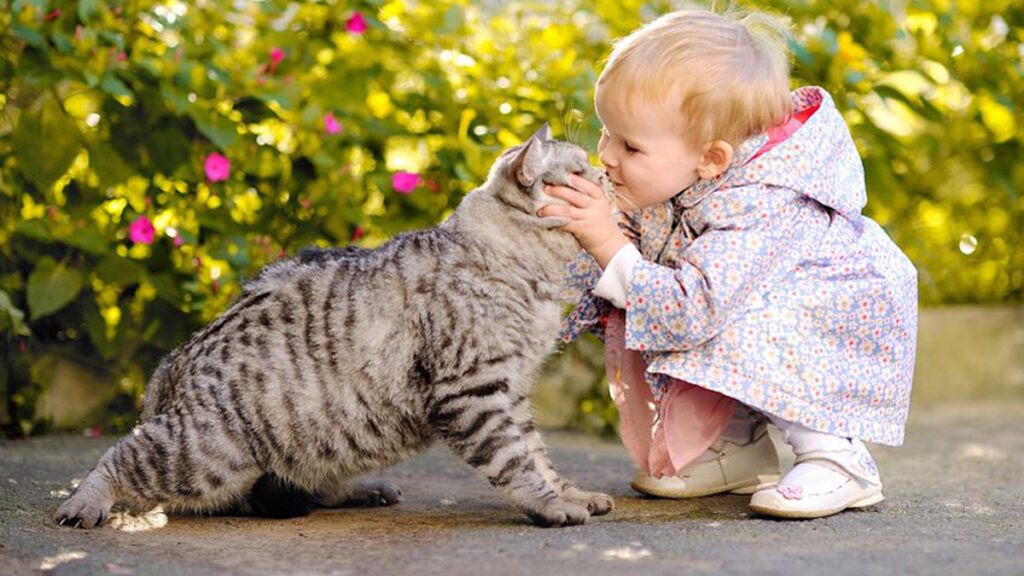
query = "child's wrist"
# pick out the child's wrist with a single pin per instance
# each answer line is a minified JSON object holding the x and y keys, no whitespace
{"x":606,"y":250}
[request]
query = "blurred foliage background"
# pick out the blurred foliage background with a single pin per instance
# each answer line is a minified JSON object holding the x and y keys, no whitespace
{"x":154,"y":154}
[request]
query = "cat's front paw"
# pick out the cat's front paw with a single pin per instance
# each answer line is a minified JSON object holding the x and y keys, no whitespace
{"x":597,"y":503}
{"x":82,"y":511}
{"x":558,"y":512}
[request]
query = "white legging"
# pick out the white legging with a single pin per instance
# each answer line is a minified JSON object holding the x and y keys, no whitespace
{"x":804,"y":440}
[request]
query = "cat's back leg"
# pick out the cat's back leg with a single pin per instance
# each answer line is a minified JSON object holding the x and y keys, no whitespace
{"x":359,"y":493}
{"x":185,"y":462}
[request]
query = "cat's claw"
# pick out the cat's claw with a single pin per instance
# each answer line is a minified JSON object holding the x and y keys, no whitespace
{"x":76,"y":513}
{"x":597,"y":503}
{"x":559,"y":512}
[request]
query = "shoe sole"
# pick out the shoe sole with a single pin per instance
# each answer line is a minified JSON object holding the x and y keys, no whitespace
{"x":864,"y":502}
{"x":746,"y":487}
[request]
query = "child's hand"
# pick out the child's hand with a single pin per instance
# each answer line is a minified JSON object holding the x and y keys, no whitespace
{"x":590,"y":218}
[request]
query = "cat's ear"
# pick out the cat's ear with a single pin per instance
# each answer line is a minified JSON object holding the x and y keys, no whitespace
{"x":543,"y":133}
{"x":527,"y":164}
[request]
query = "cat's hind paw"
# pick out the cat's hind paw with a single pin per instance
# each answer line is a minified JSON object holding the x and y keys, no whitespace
{"x":378,"y":493}
{"x":362,"y":493}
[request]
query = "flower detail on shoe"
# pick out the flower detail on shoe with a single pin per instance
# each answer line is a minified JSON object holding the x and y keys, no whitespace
{"x":791,"y":492}
{"x":867,"y":463}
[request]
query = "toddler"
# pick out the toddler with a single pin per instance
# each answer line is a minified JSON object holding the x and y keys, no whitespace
{"x":738,"y":281}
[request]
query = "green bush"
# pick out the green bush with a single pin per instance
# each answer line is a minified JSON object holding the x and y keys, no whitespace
{"x":155,"y":154}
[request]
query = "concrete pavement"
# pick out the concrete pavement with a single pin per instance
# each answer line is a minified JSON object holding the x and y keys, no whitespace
{"x":955,"y":505}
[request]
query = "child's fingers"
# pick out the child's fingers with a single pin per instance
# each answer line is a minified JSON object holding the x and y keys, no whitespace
{"x":553,"y":211}
{"x":574,"y":197}
{"x":586,"y":186}
{"x":570,"y":213}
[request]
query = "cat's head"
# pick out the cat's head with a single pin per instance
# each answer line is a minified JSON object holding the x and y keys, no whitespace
{"x":521,"y":172}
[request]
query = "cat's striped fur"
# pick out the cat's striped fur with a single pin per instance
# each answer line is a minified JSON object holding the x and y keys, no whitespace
{"x":343,"y":361}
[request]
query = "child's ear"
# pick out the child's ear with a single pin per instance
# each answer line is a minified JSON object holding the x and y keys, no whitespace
{"x":716,"y":159}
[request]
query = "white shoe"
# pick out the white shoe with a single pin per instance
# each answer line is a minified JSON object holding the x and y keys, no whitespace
{"x":823,"y":483}
{"x":741,"y":469}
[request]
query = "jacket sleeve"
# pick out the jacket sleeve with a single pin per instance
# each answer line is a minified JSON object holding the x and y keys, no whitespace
{"x":744,"y":234}
{"x":582,"y":276}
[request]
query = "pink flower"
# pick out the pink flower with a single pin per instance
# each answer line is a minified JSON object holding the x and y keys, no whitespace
{"x":276,"y":56}
{"x":217,"y":167}
{"x":331,"y":124}
{"x":357,"y":234}
{"x":405,"y":182}
{"x":52,"y":14}
{"x":791,"y":492}
{"x":141,"y":230}
{"x":178,"y":240}
{"x":356,"y":24}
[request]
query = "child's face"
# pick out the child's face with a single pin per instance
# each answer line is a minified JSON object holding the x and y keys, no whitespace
{"x":644,"y":152}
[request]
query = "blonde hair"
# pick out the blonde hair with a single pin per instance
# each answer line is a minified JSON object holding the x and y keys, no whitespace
{"x":731,"y":71}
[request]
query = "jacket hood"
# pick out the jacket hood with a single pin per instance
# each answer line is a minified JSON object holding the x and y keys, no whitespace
{"x":819,"y":160}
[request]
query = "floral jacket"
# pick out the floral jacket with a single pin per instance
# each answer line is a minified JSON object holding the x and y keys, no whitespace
{"x":769,"y":286}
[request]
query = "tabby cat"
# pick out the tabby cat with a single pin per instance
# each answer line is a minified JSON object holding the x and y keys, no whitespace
{"x":343,"y":361}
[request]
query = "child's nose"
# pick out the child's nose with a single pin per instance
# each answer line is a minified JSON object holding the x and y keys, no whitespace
{"x":606,"y":159}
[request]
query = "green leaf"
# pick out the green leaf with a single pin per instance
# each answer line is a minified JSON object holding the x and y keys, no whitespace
{"x":113,"y":39}
{"x":34,"y":229}
{"x":39,"y":5}
{"x":109,"y":166}
{"x":46,"y":143}
{"x":175,"y":99}
{"x":167,"y":288}
{"x":96,"y":327}
{"x":168,"y":147}
{"x":62,"y":42}
{"x":89,"y":9}
{"x":120,"y":271}
{"x":51,"y":286}
{"x":30,"y":35}
{"x":113,"y":85}
{"x":88,"y":239}
{"x":218,"y":129}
